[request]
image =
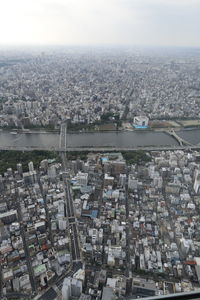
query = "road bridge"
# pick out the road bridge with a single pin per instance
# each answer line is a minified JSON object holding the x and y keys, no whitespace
{"x":103,"y":149}
{"x":179,"y":139}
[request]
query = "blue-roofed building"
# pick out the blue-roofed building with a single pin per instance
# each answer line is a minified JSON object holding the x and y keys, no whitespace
{"x":104,"y":159}
{"x":139,"y":127}
{"x":91,"y":214}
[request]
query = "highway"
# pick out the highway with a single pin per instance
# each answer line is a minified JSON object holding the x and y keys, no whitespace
{"x":46,"y":209}
{"x":69,"y":201}
{"x":127,"y":228}
{"x":74,"y":238}
{"x":76,"y":263}
{"x":26,"y":249}
{"x":75,"y":251}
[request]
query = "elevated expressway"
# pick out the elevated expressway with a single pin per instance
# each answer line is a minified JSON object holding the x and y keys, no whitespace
{"x":74,"y":237}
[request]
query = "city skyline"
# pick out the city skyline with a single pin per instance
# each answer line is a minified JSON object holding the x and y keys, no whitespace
{"x":99,"y":149}
{"x":148,"y":23}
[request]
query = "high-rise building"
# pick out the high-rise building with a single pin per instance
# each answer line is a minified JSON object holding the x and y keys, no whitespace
{"x":52,"y":172}
{"x":197,"y":183}
{"x":8,"y":216}
{"x":44,"y":165}
{"x":1,"y":183}
{"x":9,"y":171}
{"x":82,"y":178}
{"x":19,"y":169}
{"x":62,"y":223}
{"x":122,"y":180}
{"x":132,"y":182}
{"x":71,"y":288}
{"x":30,"y":166}
{"x":108,"y":180}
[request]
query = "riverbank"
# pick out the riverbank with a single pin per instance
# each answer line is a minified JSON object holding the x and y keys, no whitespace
{"x":154,"y":125}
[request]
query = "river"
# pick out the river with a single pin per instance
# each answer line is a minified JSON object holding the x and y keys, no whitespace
{"x":121,"y":139}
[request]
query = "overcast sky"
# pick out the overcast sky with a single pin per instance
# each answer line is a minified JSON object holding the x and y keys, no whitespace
{"x":100,"y":22}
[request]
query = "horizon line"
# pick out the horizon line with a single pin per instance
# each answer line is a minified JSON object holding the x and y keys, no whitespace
{"x":9,"y":45}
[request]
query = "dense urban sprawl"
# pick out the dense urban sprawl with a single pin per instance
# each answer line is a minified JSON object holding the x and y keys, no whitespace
{"x":86,"y":86}
{"x":137,"y":227}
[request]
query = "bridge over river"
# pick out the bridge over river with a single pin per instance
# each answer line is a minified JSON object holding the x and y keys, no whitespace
{"x":179,"y":139}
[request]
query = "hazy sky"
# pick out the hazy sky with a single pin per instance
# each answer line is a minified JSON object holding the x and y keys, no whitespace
{"x":88,"y":22}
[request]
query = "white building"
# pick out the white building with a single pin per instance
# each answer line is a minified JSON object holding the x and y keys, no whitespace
{"x":197,"y":183}
{"x":141,"y":121}
{"x":66,"y":289}
{"x":158,"y":181}
{"x":108,"y":180}
{"x":93,"y":233}
{"x":52,"y":172}
{"x":122,"y":180}
{"x":30,"y":166}
{"x":132,"y":182}
{"x":82,"y":178}
{"x":62,"y":223}
{"x":71,"y":288}
{"x":111,"y":260}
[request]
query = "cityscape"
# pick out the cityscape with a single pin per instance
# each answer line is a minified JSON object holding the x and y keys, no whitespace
{"x":99,"y":150}
{"x":44,"y":88}
{"x":101,"y":227}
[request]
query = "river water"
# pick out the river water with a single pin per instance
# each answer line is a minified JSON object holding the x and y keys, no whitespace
{"x":97,"y":139}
